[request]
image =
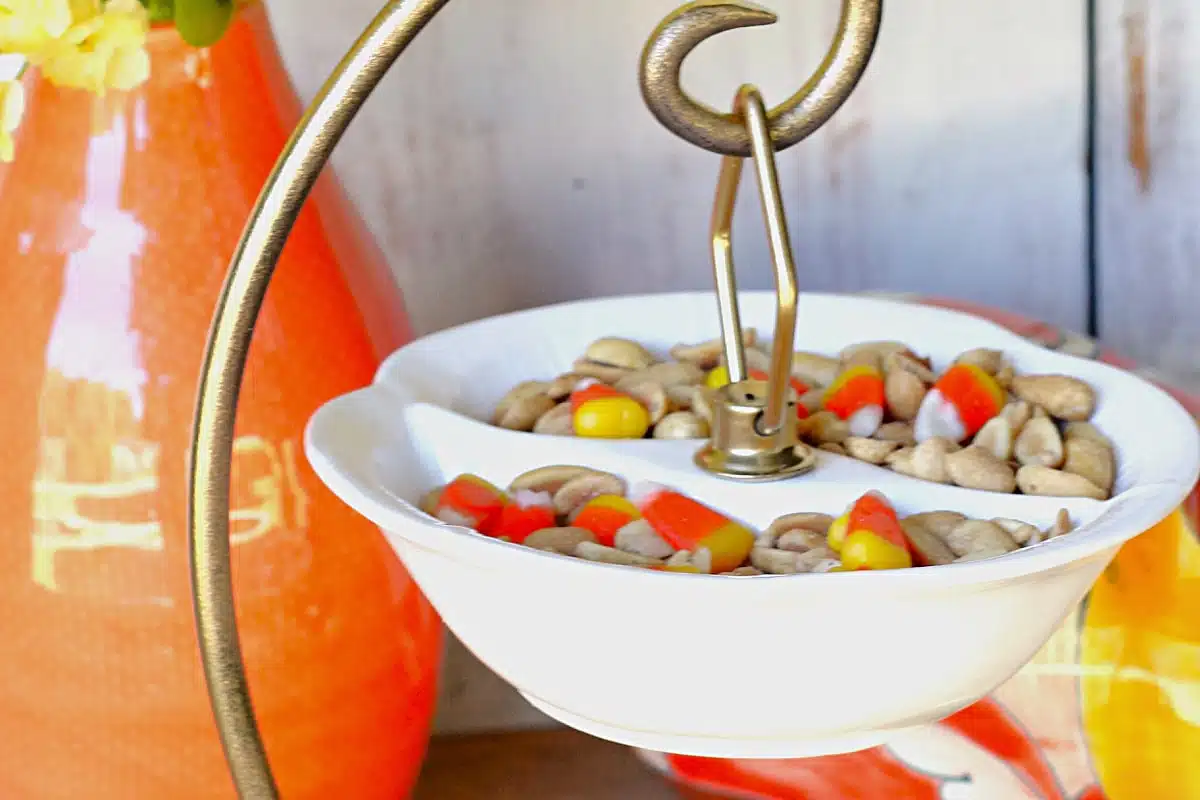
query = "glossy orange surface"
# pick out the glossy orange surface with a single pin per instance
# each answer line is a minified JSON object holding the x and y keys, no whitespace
{"x":118,"y":219}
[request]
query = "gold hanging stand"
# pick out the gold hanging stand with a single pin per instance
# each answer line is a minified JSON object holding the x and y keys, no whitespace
{"x":275,"y":213}
{"x":754,"y":435}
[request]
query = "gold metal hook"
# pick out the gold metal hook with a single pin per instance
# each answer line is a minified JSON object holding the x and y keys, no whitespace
{"x":275,"y":213}
{"x":790,"y":122}
{"x":754,"y":436}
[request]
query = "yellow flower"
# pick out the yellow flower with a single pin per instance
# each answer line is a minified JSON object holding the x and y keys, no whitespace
{"x":28,"y":26}
{"x":12,"y":106}
{"x":104,"y":48}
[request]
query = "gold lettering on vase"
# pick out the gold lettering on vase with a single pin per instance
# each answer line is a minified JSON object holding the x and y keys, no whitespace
{"x":96,"y":528}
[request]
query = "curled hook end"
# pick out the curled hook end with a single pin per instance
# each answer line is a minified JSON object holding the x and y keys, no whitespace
{"x":802,"y":113}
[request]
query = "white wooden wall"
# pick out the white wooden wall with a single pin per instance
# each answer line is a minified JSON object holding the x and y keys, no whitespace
{"x":508,"y":162}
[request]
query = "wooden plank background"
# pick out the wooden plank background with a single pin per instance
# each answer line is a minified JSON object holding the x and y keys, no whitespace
{"x":508,"y":162}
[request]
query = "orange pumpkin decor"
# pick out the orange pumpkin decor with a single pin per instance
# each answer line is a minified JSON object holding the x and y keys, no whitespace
{"x":1109,"y":710}
{"x":118,"y":219}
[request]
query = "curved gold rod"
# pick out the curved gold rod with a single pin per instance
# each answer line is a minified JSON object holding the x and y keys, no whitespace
{"x":791,"y":121}
{"x":254,"y":262}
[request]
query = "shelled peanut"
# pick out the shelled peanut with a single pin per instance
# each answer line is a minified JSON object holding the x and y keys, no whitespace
{"x":593,"y":515}
{"x":977,"y":425}
{"x":619,"y":390}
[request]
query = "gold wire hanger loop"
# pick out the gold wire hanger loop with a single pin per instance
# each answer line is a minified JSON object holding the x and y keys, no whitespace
{"x":789,"y":122}
{"x":754,"y":429}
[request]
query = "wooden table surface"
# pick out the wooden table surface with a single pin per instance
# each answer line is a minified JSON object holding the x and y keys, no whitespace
{"x":540,"y":765}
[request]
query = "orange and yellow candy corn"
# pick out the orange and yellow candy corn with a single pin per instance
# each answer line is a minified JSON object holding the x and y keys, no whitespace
{"x":869,"y":536}
{"x":527,"y":513}
{"x":856,"y":395}
{"x":604,"y":515}
{"x":471,"y":502}
{"x":599,"y":411}
{"x":719,"y":376}
{"x":959,"y":404}
{"x":689,"y":525}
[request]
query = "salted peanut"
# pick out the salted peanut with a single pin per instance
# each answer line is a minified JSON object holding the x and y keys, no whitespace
{"x":996,"y":436}
{"x":519,"y":392}
{"x":640,"y":538}
{"x":811,"y":400}
{"x":1061,"y":395}
{"x":679,"y":396}
{"x":976,"y":468}
{"x":939,"y":523}
{"x":904,"y":391}
{"x":653,"y":398}
{"x":549,"y":479}
{"x":1004,"y":376}
{"x":524,"y":413}
{"x":990,"y":361}
{"x":833,"y":447}
{"x":905,"y":360}
{"x":1039,"y":480}
{"x":614,"y":351}
{"x":744,"y":572}
{"x":559,"y":540}
{"x":815,"y":369}
{"x":429,"y":500}
{"x":805,"y":521}
{"x":824,"y":426}
{"x":1062,"y":524}
{"x":665,"y":373}
{"x":601,"y":372}
{"x":556,"y":422}
{"x":1021,"y":532}
{"x":1086,"y":430}
{"x":703,"y":400}
{"x":707,"y":355}
{"x":1039,"y":443}
{"x":1091,"y":460}
{"x":930,"y":549}
{"x":610,"y":555}
{"x":1017,"y":413}
{"x":681,"y":425}
{"x":926,"y":461}
{"x":900,"y":432}
{"x":757,"y":360}
{"x":577,"y":491}
{"x":800,"y":541}
{"x":789,"y":562}
{"x":974,"y":536}
{"x":873,"y":451}
{"x":681,"y":558}
{"x":563,"y":385}
{"x":871,"y":353}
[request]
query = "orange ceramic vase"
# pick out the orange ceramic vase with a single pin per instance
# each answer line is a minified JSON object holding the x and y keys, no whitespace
{"x":117,"y":221}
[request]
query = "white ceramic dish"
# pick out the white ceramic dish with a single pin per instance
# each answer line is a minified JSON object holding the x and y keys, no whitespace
{"x":772,"y":666}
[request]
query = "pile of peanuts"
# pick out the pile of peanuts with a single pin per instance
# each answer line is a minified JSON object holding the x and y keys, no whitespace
{"x":977,"y":425}
{"x":593,"y":515}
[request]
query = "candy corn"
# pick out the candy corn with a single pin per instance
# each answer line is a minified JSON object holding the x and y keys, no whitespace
{"x":604,"y":515}
{"x":689,"y":525}
{"x":470,"y":501}
{"x":719,"y":376}
{"x":857,"y":396}
{"x":599,"y":411}
{"x":869,"y":535}
{"x":959,"y":404}
{"x":526,"y":513}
